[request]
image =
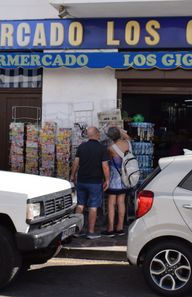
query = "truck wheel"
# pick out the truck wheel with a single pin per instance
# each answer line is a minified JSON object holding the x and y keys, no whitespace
{"x":10,"y":259}
{"x":167,"y":268}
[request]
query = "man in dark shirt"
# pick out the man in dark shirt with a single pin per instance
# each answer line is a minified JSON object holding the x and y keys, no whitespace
{"x":91,"y":166}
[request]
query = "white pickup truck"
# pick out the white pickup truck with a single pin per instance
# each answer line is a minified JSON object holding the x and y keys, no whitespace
{"x":36,"y":216}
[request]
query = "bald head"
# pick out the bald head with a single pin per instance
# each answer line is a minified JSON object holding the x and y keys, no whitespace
{"x":93,"y":133}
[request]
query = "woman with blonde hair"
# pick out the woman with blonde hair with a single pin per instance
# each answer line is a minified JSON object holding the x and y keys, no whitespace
{"x":117,"y":190}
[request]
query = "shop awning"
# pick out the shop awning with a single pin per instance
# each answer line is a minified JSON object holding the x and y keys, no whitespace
{"x":95,"y":60}
{"x":124,"y":8}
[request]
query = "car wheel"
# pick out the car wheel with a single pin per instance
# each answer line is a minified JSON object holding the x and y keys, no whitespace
{"x":167,"y":268}
{"x":10,"y":259}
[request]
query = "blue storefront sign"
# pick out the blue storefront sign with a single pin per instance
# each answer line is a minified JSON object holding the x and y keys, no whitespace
{"x":115,"y":60}
{"x":97,"y":33}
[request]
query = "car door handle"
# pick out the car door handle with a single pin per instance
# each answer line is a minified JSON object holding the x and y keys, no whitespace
{"x":187,"y":206}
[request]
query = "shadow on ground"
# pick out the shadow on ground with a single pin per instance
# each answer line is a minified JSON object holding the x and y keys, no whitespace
{"x":80,"y":280}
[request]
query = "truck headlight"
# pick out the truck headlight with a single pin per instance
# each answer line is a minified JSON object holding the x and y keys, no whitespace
{"x":74,"y":195}
{"x":33,"y":210}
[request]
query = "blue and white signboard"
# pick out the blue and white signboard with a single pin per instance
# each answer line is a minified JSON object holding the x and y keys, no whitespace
{"x":97,"y":33}
{"x":115,"y":60}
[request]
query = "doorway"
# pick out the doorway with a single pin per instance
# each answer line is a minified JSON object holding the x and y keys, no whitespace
{"x":171,"y":116}
{"x":8,"y":100}
{"x":163,"y":98}
{"x":174,"y":112}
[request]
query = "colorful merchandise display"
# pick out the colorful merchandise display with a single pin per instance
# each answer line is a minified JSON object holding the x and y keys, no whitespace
{"x":17,"y":147}
{"x":47,"y":141}
{"x":44,"y":151}
{"x":32,"y":149}
{"x":63,"y":152}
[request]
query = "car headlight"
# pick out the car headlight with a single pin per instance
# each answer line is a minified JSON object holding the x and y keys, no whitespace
{"x":33,"y":210}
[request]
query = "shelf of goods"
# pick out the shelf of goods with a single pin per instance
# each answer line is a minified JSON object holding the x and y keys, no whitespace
{"x":143,"y":147}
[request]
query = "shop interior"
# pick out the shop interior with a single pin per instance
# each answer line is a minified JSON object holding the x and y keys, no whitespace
{"x":171,"y":116}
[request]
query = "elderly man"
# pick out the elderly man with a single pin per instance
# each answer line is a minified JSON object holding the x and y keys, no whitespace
{"x":91,"y":163}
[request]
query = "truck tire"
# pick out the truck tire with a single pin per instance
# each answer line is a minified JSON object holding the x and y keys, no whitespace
{"x":10,"y":259}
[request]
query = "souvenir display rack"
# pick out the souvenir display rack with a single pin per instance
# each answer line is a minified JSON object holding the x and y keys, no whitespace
{"x":16,"y":137}
{"x":32,"y":149}
{"x":47,"y":147}
{"x":44,"y":151}
{"x":63,"y":152}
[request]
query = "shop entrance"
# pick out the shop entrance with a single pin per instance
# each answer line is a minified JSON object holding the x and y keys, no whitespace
{"x":163,"y":98}
{"x":169,"y":112}
{"x":29,"y":99}
{"x":171,"y":115}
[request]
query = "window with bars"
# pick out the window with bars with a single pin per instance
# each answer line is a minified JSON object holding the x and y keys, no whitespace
{"x":21,"y":78}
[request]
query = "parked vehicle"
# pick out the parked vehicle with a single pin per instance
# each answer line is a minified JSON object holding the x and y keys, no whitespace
{"x":36,"y":217}
{"x":160,"y":239}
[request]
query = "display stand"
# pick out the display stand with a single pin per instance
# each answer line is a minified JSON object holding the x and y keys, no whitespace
{"x":143,"y":147}
{"x":16,"y":137}
{"x":32,"y":149}
{"x":47,"y":145}
{"x":24,"y":148}
{"x":63,"y":153}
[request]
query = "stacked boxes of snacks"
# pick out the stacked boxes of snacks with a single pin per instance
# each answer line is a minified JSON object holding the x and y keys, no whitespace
{"x":47,"y":148}
{"x":17,"y":147}
{"x":32,"y":149}
{"x":63,"y":152}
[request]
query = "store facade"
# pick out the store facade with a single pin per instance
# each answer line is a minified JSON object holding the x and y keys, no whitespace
{"x":141,"y":65}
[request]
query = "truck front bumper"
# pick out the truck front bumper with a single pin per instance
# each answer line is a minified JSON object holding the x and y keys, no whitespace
{"x":54,"y":234}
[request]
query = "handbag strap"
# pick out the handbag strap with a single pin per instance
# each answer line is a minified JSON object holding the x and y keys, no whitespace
{"x":116,"y":167}
{"x":130,"y":146}
{"x":118,"y":151}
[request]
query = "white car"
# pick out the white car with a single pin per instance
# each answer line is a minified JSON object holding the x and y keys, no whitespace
{"x":160,"y":239}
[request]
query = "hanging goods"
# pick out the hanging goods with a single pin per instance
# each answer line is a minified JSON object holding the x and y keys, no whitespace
{"x":129,"y":169}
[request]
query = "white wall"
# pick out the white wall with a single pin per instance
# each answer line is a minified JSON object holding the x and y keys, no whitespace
{"x":64,"y":89}
{"x":96,"y":90}
{"x":26,"y":9}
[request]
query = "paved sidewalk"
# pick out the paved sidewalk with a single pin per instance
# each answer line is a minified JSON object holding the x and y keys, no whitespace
{"x":104,"y":248}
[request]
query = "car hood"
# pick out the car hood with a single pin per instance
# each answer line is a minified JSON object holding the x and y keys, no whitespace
{"x":31,"y":185}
